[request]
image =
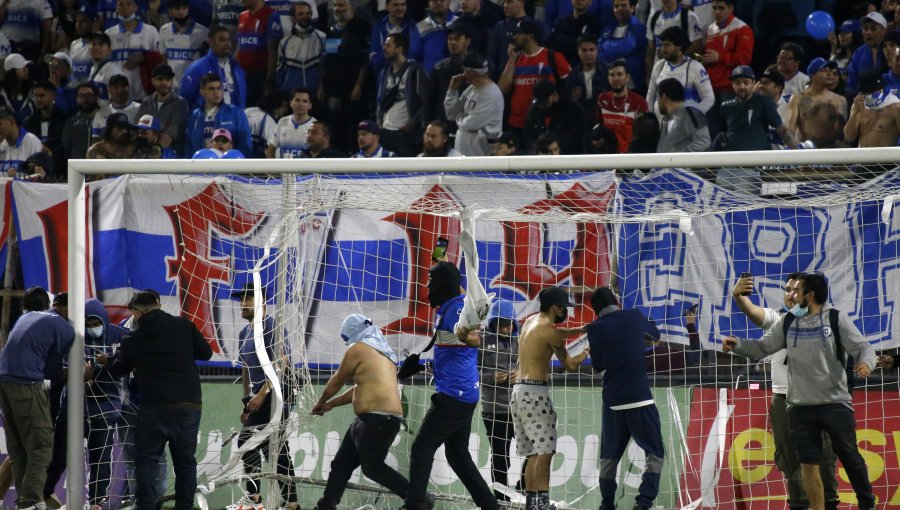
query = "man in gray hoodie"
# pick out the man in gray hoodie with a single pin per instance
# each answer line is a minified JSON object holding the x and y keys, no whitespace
{"x":682,"y":128}
{"x":478,"y":111}
{"x":818,"y":398}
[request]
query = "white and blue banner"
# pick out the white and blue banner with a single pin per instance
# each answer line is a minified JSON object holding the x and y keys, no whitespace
{"x":196,"y":240}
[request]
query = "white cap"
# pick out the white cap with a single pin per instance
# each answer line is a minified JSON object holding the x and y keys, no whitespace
{"x":15,"y":61}
{"x":60,"y":55}
{"x":875,"y":16}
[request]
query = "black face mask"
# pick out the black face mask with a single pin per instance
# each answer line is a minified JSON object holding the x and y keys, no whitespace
{"x":143,"y":143}
{"x":561,"y":318}
{"x":181,"y":21}
{"x":444,"y":283}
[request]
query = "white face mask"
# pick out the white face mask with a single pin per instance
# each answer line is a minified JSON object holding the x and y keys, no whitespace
{"x":94,"y":332}
{"x":129,"y":18}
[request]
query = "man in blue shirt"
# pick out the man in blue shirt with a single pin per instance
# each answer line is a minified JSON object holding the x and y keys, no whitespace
{"x":618,"y":340}
{"x":869,"y":55}
{"x":258,"y":400}
{"x":37,"y":346}
{"x":448,"y":421}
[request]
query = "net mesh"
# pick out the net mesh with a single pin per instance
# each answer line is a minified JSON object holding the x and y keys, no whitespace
{"x":671,"y":242}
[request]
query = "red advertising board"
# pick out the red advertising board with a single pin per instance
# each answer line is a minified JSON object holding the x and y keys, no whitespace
{"x":730,"y":464}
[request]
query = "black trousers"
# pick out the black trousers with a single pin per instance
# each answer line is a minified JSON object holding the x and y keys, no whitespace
{"x":253,"y":458}
{"x":499,"y":430}
{"x":448,"y":422}
{"x":807,"y":423}
{"x":365,"y":445}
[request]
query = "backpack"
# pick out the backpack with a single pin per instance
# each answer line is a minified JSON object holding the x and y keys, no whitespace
{"x":843,"y":358}
{"x":551,"y":58}
{"x":684,"y":20}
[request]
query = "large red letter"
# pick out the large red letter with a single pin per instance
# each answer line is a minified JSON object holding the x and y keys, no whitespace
{"x":422,"y":231}
{"x":193,"y":265}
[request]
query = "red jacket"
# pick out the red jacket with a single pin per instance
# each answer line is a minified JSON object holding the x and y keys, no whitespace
{"x":734,"y":43}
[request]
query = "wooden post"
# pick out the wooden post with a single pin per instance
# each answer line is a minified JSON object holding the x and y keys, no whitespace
{"x":12,"y":253}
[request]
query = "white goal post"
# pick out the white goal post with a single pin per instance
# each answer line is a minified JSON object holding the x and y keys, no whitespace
{"x":82,"y":170}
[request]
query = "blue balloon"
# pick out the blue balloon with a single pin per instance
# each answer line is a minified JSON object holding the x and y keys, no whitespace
{"x":233,"y":154}
{"x":819,"y":24}
{"x":206,"y":154}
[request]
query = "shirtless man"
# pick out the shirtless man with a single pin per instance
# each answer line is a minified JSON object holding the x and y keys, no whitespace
{"x":817,"y":113}
{"x":875,"y":115}
{"x":118,"y":140}
{"x":371,"y":363}
{"x":534,"y":419}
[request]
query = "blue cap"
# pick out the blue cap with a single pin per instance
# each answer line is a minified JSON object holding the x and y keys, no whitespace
{"x":743,"y":72}
{"x":369,"y":126}
{"x":818,"y":64}
{"x":851,"y":25}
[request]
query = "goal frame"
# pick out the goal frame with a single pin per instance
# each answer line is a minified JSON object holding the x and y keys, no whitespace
{"x":80,"y":169}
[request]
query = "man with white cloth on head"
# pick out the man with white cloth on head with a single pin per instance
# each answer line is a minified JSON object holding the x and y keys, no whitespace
{"x":371,"y":363}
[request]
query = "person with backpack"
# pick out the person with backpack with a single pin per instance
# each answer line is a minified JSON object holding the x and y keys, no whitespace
{"x":678,"y":64}
{"x":785,"y":455}
{"x":682,"y":128}
{"x":672,"y":14}
{"x":817,"y":340}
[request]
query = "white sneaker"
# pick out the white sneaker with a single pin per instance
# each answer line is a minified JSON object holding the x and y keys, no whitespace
{"x":246,"y":503}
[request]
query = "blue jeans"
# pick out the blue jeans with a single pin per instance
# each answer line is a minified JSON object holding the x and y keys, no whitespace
{"x":178,"y":426}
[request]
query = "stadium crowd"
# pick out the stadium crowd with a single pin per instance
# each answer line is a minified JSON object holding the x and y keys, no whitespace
{"x":379,"y":78}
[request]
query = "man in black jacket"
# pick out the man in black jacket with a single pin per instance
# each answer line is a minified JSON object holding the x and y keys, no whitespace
{"x":162,"y":353}
{"x":557,"y":114}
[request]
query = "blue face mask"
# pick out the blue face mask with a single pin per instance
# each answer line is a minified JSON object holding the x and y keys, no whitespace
{"x":94,"y":332}
{"x":798,"y":310}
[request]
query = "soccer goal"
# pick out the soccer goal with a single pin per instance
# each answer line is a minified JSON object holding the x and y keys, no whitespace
{"x":321,"y":239}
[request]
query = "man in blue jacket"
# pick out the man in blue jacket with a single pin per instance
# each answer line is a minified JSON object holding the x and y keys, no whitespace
{"x":869,"y":55}
{"x":448,"y":421}
{"x":627,"y":40}
{"x":103,"y":408}
{"x":219,"y":60}
{"x":618,"y":340}
{"x":215,"y":114}
{"x":35,"y":350}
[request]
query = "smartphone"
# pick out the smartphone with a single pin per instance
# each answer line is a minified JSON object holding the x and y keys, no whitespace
{"x":440,"y":249}
{"x":747,"y":275}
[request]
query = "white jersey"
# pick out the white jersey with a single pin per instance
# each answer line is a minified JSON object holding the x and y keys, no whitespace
{"x":98,"y":126}
{"x":23,"y":19}
{"x":290,"y":137}
{"x":143,"y":38}
{"x":181,"y":48}
{"x":80,"y":52}
{"x":100,"y":75}
{"x":695,"y":29}
{"x":262,"y":128}
{"x":698,"y":90}
{"x":703,"y":10}
{"x":795,"y":85}
{"x":779,"y":369}
{"x":11,"y":156}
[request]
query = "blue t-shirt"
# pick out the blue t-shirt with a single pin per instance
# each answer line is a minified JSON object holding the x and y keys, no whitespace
{"x":455,"y":363}
{"x":36,"y":348}
{"x":248,"y":356}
